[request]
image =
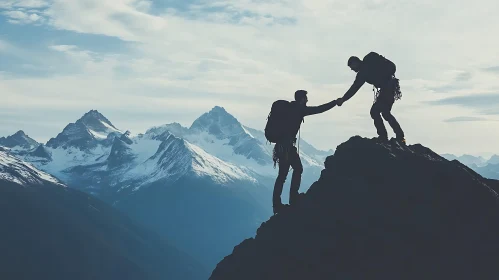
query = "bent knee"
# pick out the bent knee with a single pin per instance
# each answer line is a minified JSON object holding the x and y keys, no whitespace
{"x":387,"y":115}
{"x":375,"y":114}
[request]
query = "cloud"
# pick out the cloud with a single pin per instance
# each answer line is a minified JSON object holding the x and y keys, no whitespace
{"x":448,"y":88}
{"x":463,"y":77}
{"x":472,"y":100}
{"x":63,"y":48}
{"x":486,"y":103}
{"x":493,"y":69}
{"x":20,"y":17}
{"x":33,"y":4}
{"x":465,"y":119}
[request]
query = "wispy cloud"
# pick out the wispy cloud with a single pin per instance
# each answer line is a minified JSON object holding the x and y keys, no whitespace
{"x":33,"y":4}
{"x":494,"y":69}
{"x":485,"y":103}
{"x":465,"y":119}
{"x":463,"y":77}
{"x":20,"y":17}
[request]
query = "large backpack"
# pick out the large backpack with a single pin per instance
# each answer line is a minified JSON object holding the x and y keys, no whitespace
{"x":277,"y":128}
{"x":383,"y":66}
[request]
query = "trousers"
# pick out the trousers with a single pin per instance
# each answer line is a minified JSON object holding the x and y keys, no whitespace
{"x":382,"y":107}
{"x":290,"y":158}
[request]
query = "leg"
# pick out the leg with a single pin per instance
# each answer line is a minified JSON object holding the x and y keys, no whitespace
{"x":387,"y":115}
{"x":279,"y":182}
{"x":378,"y":122}
{"x":297,"y":166}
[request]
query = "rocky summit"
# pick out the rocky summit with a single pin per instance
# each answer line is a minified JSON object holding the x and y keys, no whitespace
{"x":379,"y":211}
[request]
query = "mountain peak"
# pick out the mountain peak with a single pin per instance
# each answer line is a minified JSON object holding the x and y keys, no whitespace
{"x":379,"y":211}
{"x":85,"y":132}
{"x":95,"y":119}
{"x":218,"y":122}
{"x":20,"y":133}
{"x":19,"y":139}
{"x":218,"y":109}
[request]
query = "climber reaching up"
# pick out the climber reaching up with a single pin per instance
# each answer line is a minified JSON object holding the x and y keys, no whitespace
{"x":282,"y":127}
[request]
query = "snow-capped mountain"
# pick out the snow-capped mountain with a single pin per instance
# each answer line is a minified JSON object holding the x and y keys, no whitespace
{"x":14,"y":170}
{"x":93,"y":155}
{"x":86,"y":133}
{"x":18,"y":141}
{"x":214,"y":177}
{"x":221,"y":134}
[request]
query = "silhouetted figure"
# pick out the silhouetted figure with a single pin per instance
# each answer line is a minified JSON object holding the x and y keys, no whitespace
{"x":284,"y":123}
{"x":379,"y":72}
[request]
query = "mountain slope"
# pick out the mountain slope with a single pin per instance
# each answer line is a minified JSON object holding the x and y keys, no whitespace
{"x":13,"y":170}
{"x":50,"y":231}
{"x":379,"y":212}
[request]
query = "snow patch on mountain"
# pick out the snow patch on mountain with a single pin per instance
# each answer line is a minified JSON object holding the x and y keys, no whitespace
{"x":14,"y":170}
{"x":223,"y":150}
{"x":220,"y":171}
{"x":67,"y":158}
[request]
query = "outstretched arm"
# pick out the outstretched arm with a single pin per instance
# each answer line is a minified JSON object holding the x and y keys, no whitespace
{"x":312,"y":110}
{"x":357,"y":84}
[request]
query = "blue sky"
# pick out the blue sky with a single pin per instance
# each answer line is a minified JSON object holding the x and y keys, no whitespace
{"x":145,"y":63}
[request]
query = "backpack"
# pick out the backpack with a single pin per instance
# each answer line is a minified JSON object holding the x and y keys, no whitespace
{"x":382,"y":65}
{"x":276,"y":129}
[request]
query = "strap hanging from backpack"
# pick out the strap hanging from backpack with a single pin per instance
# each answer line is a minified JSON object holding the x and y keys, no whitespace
{"x":376,"y":93}
{"x":299,"y":136}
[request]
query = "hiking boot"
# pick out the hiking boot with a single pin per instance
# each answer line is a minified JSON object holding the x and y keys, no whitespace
{"x":380,"y":139}
{"x":401,"y":140}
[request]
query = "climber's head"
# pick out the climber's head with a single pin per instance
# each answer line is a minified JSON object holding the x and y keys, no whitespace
{"x":301,"y":96}
{"x":354,"y":63}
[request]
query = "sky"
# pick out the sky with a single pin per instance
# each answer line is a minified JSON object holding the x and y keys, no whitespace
{"x":145,"y":63}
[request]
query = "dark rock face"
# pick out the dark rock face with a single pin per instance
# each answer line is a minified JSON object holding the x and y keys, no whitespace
{"x":120,"y":153}
{"x":41,"y":152}
{"x":379,"y":211}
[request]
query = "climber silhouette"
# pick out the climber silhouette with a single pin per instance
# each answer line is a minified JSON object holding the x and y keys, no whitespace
{"x":379,"y":72}
{"x":284,"y":123}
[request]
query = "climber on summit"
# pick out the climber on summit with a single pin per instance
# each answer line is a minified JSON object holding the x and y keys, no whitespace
{"x":379,"y":72}
{"x":282,"y":126}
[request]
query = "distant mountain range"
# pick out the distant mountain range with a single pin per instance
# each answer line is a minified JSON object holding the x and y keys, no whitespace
{"x":205,"y":187}
{"x":488,"y":168}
